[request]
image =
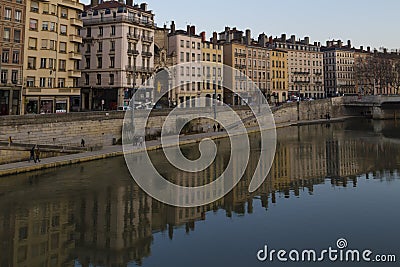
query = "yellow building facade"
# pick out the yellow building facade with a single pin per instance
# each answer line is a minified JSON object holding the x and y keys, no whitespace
{"x":51,"y":58}
{"x":212,"y":54}
{"x":279,"y":77}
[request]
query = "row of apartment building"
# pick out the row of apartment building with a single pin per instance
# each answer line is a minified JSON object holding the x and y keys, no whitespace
{"x":62,"y":56}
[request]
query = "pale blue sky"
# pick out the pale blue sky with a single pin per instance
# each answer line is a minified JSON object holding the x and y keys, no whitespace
{"x":368,"y":23}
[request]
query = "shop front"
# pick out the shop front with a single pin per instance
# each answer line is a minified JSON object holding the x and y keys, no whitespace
{"x":9,"y":101}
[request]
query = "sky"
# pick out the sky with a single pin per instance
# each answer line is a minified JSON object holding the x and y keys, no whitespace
{"x":367,"y":23}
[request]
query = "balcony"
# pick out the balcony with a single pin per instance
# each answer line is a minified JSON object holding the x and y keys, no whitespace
{"x":133,"y":36}
{"x":122,"y":18}
{"x":72,"y":4}
{"x":146,"y":54}
{"x":237,"y":54}
{"x":75,"y":38}
{"x":130,"y":68}
{"x":77,"y":22}
{"x":302,"y":72}
{"x":74,"y":73}
{"x":144,"y":69}
{"x":133,"y":52}
{"x":75,"y":55}
{"x":240,"y":66}
{"x":240,"y":78}
{"x":302,"y":82}
{"x":147,"y":39}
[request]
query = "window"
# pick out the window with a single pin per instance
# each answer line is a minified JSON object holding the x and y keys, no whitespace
{"x":99,"y":62}
{"x":100,"y":49}
{"x":4,"y":74}
{"x":89,"y":32}
{"x":14,"y":76}
{"x":5,"y":55}
{"x":111,"y":79}
{"x":63,"y":47}
{"x":64,"y":12}
{"x":52,"y":64}
{"x":7,"y":14}
{"x":45,"y":26}
{"x":113,"y":30}
{"x":182,"y":43}
{"x":33,"y":24}
{"x":43,"y":63}
{"x":182,"y":58}
{"x":15,"y":59}
{"x":61,"y":82}
{"x":45,"y":8}
{"x":112,"y":62}
{"x":50,"y":82}
{"x":34,"y":7}
{"x":44,"y":43}
{"x":52,"y":45}
{"x":61,"y":65}
{"x":87,"y":62}
{"x":32,"y":43}
{"x":42,"y":82}
{"x":112,"y":45}
{"x":100,"y":31}
{"x":30,"y":81}
{"x":17,"y":36}
{"x":98,"y":79}
{"x":31,"y":63}
{"x":63,"y":29}
{"x":86,"y":79}
{"x":6,"y":34}
{"x":52,"y":26}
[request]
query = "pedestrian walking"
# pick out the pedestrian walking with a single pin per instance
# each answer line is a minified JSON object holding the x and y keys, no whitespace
{"x":219,"y":127}
{"x":32,"y":154}
{"x":10,"y":141}
{"x":141,"y":141}
{"x":215,"y":128}
{"x":37,"y":154}
{"x":83,"y":142}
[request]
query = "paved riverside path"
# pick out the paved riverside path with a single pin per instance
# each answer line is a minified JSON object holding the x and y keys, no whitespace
{"x":113,"y":151}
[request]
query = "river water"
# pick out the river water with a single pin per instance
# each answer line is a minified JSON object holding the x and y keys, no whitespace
{"x":327,"y":182}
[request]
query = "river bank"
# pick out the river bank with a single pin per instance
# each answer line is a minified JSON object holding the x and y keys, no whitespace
{"x":115,"y":151}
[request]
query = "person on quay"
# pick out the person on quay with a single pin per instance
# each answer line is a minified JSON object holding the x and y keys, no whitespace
{"x":37,"y":154}
{"x":32,"y":154}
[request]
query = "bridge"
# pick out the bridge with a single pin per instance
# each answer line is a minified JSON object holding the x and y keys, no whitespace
{"x":376,"y":106}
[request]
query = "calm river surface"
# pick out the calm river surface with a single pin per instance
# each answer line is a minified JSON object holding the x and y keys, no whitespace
{"x":326,"y":183}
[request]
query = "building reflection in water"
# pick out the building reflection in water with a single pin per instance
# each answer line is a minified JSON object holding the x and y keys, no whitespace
{"x":96,"y":215}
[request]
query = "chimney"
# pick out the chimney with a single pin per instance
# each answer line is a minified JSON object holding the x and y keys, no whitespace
{"x":173,"y":27}
{"x":94,"y":2}
{"x":143,"y":6}
{"x":348,"y":43}
{"x":192,"y":30}
{"x":385,"y":50}
{"x":293,"y":39}
{"x":188,"y":29}
{"x":215,"y":38}
{"x":307,"y":40}
{"x":368,"y":49}
{"x":271,"y":41}
{"x":362,"y":48}
{"x":129,"y":2}
{"x":203,"y":36}
{"x":340,"y":43}
{"x":248,"y":36}
{"x":283,"y":38}
{"x":319,"y":44}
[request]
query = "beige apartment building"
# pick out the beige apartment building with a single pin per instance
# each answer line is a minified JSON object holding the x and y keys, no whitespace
{"x":188,"y":77}
{"x":118,"y":55}
{"x":339,"y":68}
{"x":51,"y":57}
{"x":305,"y":66}
{"x":249,"y":59}
{"x":12,"y":26}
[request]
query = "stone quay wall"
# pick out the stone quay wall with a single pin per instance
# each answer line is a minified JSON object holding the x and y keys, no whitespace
{"x":102,"y":128}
